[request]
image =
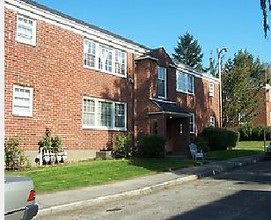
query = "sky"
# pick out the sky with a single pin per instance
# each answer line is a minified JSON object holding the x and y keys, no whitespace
{"x":235,"y":24}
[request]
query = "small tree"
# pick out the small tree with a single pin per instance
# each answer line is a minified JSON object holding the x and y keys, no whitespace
{"x":122,"y":145}
{"x":14,"y":156}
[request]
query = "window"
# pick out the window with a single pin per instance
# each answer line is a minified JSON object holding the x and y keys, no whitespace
{"x":190,"y":84}
{"x":269,"y":117}
{"x":103,"y":114}
{"x":104,"y":58}
{"x":211,"y":89}
{"x":89,"y":112}
{"x":184,"y":82}
{"x":120,"y":62}
{"x":212,"y":121}
{"x":161,"y":87}
{"x":192,"y":123}
{"x":22,"y":101}
{"x":89,"y":53}
{"x":26,"y":30}
{"x":119,"y":115}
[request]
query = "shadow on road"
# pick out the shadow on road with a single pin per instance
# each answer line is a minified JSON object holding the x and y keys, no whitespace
{"x":245,"y":204}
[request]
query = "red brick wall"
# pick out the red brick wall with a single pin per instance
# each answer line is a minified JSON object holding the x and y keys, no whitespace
{"x":201,"y":104}
{"x":54,"y":69}
{"x":263,"y":111}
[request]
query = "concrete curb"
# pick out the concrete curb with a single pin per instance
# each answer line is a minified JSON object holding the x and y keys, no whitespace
{"x":203,"y":171}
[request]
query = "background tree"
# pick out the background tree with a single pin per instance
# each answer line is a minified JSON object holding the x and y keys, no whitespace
{"x":188,"y":52}
{"x":241,"y":82}
{"x":266,"y":7}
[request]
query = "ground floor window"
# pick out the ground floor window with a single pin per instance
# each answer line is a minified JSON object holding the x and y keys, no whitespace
{"x":192,"y":123}
{"x":22,"y":104}
{"x":104,"y":114}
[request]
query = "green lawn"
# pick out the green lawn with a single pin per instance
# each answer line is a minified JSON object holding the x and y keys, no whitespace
{"x":244,"y":148}
{"x":95,"y":172}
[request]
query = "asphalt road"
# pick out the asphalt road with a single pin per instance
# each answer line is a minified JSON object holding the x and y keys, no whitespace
{"x":244,"y":193}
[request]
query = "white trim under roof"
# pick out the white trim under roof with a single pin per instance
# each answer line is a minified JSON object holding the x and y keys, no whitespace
{"x":186,"y":69}
{"x":34,"y":12}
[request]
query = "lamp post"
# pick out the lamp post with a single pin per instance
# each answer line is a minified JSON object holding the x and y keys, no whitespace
{"x":219,"y":52}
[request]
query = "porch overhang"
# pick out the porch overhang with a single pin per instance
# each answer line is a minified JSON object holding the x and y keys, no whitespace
{"x":169,"y":109}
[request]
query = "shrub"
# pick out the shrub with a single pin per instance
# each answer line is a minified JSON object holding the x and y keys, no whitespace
{"x":202,"y":143}
{"x":122,"y":145}
{"x":49,"y":142}
{"x":248,"y":132}
{"x":220,"y":139}
{"x":152,"y":146}
{"x":14,"y":156}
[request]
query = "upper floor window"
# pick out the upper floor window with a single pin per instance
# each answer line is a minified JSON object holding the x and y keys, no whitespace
{"x":104,"y":58}
{"x":89,"y":53}
{"x":22,"y":104}
{"x":212,"y":121}
{"x":161,"y":87}
{"x":184,"y":82}
{"x":103,"y":114}
{"x":192,"y":123}
{"x":120,"y":63}
{"x":211,"y":89}
{"x":26,"y":30}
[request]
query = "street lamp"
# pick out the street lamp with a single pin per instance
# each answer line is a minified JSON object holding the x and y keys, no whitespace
{"x":219,"y":52}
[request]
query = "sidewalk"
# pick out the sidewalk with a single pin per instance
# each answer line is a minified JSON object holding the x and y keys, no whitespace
{"x":63,"y":200}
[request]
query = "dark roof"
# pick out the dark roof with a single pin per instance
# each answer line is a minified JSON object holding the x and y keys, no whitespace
{"x":171,"y":108}
{"x":43,"y":7}
{"x":154,"y":53}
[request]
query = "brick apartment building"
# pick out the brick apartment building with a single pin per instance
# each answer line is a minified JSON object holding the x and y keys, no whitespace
{"x":263,"y":113}
{"x":85,"y":84}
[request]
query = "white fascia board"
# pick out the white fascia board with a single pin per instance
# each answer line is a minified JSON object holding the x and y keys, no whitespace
{"x":48,"y":17}
{"x":183,"y":68}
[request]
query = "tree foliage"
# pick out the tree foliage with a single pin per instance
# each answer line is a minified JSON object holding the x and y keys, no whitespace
{"x":266,"y":7}
{"x":188,"y":51}
{"x":241,"y":82}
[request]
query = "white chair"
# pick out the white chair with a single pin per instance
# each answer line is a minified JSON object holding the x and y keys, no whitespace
{"x":195,"y":152}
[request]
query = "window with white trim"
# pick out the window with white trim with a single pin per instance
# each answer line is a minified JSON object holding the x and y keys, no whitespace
{"x":103,"y":114}
{"x":89,"y":53}
{"x":104,"y":58}
{"x":22,"y":104}
{"x":192,"y":123}
{"x":120,"y":64}
{"x":212,"y":121}
{"x":184,"y":82}
{"x":162,"y":87}
{"x":26,"y":30}
{"x":211,"y":89}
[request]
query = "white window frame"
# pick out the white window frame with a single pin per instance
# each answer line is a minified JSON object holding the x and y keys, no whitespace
{"x":192,"y":123}
{"x":106,"y":58}
{"x":211,"y":89}
{"x":120,"y":62}
{"x":212,"y":121}
{"x":31,"y":28}
{"x":22,"y":100}
{"x":97,"y":115}
{"x":162,"y":76}
{"x":185,"y":82}
{"x":89,"y":54}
